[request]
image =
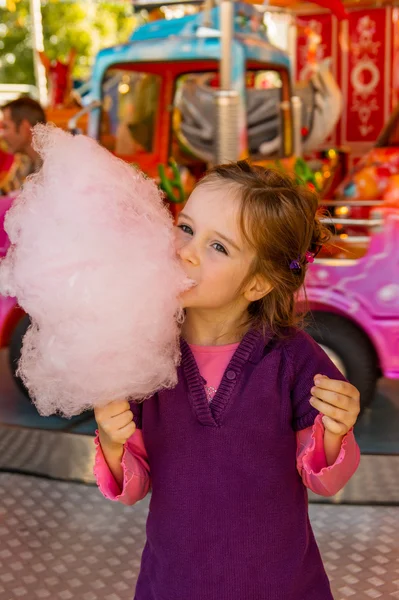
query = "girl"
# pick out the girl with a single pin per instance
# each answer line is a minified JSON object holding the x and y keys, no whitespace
{"x":259,"y":412}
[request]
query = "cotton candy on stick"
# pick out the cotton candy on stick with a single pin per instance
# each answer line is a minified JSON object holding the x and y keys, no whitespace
{"x":92,"y":262}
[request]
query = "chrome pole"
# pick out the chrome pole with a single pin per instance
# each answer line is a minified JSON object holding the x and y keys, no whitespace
{"x":227,"y":99}
{"x":296,"y":104}
{"x":226,"y":40}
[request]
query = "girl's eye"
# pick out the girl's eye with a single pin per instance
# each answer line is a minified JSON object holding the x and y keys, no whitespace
{"x":185,"y":228}
{"x":219,"y":248}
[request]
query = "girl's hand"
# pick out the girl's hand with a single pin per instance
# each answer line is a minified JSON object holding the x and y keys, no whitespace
{"x":115,"y":422}
{"x":338,"y":401}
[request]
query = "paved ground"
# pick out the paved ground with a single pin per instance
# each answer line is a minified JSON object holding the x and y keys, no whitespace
{"x":62,"y":541}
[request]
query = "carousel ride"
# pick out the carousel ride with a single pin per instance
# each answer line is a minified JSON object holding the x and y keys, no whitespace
{"x":194,"y":118}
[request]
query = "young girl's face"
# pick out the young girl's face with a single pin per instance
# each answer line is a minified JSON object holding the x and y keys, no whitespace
{"x":211,"y":248}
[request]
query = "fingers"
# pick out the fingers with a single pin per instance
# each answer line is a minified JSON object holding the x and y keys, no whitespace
{"x":115,"y":420}
{"x":120,"y":421}
{"x":113,"y":424}
{"x":112,"y":409}
{"x":126,"y":432}
{"x":119,"y":406}
{"x":338,"y":401}
{"x":338,"y":393}
{"x":119,"y":436}
{"x":335,"y":385}
{"x":333,"y":412}
{"x":331,"y":397}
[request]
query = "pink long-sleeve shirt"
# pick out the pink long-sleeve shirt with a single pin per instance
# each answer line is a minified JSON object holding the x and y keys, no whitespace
{"x":323,"y":479}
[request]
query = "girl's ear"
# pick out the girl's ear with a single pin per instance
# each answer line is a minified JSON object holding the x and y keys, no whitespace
{"x":257,"y":288}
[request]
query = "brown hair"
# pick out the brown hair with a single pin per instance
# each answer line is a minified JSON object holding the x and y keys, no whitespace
{"x":279,"y":219}
{"x":25,"y":108}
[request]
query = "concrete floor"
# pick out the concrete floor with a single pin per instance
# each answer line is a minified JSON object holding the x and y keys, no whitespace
{"x":61,"y":540}
{"x":64,"y":541}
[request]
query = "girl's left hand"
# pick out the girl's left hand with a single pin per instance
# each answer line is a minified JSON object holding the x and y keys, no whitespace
{"x":338,"y":401}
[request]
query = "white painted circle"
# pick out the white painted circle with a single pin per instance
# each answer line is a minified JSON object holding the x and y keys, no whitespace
{"x":356,"y":77}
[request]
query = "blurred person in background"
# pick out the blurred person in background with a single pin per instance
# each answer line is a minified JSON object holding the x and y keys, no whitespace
{"x":18,"y":118}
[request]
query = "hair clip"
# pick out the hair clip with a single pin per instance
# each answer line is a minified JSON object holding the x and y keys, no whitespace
{"x":309,"y":256}
{"x":295,"y":266}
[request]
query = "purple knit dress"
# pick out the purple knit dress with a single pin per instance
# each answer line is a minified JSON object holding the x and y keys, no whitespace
{"x":228,"y":516}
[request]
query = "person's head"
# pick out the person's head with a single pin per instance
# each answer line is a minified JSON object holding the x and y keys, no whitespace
{"x":19,"y":116}
{"x":239,"y":236}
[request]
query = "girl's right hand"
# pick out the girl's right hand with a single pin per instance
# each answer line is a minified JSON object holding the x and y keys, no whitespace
{"x":115,"y":422}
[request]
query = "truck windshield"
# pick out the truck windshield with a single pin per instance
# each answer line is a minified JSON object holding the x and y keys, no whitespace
{"x":264,"y":89}
{"x":195,"y":120}
{"x":130,"y":106}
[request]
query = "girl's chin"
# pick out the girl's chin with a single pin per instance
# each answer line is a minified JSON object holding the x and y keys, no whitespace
{"x":184,"y":299}
{"x":187,"y":301}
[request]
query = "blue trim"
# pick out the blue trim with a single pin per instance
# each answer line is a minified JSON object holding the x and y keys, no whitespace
{"x":188,"y":39}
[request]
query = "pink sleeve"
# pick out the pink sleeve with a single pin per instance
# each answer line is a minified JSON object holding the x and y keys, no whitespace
{"x":136,"y":471}
{"x":312,"y":465}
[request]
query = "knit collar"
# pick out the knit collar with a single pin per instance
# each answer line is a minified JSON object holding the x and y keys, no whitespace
{"x":251,"y":349}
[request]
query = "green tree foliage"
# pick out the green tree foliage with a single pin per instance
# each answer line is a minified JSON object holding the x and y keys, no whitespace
{"x":86,"y":26}
{"x":16,"y":62}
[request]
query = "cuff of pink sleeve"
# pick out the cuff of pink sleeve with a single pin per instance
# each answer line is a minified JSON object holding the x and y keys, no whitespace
{"x":105,"y":480}
{"x":325,"y":479}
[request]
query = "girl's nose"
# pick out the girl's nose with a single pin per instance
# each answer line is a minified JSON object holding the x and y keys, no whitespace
{"x":187,"y":253}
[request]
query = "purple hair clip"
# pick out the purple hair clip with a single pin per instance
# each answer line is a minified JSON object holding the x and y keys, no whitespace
{"x":295,"y":265}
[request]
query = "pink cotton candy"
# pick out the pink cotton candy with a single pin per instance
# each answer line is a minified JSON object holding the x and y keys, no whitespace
{"x":92,"y":262}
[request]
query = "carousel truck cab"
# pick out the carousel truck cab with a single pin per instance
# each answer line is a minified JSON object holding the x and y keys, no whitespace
{"x":164,"y":94}
{"x":203,"y":89}
{"x":353,"y":295}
